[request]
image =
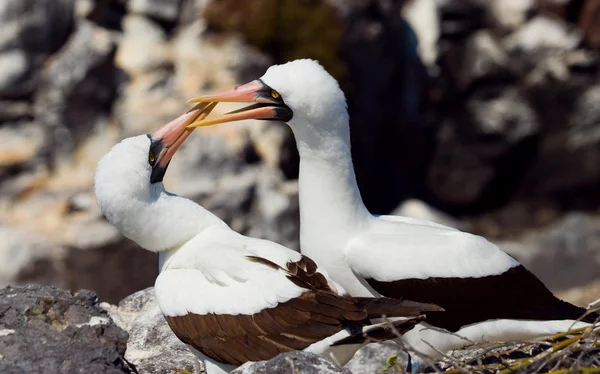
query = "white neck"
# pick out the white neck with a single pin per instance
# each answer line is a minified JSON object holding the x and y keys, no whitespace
{"x":329,"y":197}
{"x":161,"y":222}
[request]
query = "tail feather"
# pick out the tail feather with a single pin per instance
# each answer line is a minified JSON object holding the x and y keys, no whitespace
{"x":591,"y":318}
{"x":381,"y":331}
{"x":376,"y":307}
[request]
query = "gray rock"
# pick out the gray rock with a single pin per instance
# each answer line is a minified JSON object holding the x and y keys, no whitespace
{"x":565,"y":255}
{"x":29,"y":258}
{"x":292,"y":363}
{"x":191,"y":10}
{"x":462,"y":17}
{"x":83,"y":75}
{"x":372,"y":358}
{"x":503,"y":116}
{"x":15,"y":74}
{"x":584,"y":129}
{"x":31,"y":31}
{"x":166,"y":10}
{"x":47,"y":330}
{"x":22,"y":159}
{"x":37,"y":26}
{"x":21,"y":142}
{"x":458,"y":175}
{"x":385,"y":101}
{"x":509,"y":14}
{"x":483,"y":58}
{"x":143,"y":46}
{"x":543,"y":32}
{"x":418,"y":209}
{"x":423,"y":17}
{"x":12,"y":111}
{"x":112,"y":268}
{"x":277,"y":210}
{"x":152,"y":346}
{"x":569,"y":144}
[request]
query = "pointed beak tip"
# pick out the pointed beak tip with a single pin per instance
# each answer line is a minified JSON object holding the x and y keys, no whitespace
{"x":194,"y":100}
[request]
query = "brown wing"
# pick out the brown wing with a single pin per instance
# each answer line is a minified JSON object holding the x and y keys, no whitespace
{"x":293,"y":325}
{"x":514,"y":294}
{"x":316,"y":314}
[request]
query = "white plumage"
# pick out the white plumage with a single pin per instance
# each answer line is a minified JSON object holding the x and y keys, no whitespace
{"x":211,"y":275}
{"x":369,"y":255}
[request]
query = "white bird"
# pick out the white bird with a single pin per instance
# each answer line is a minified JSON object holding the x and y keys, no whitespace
{"x":487,"y":295}
{"x":231,"y":298}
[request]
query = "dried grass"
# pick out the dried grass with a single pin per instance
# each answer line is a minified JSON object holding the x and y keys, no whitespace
{"x":574,"y":351}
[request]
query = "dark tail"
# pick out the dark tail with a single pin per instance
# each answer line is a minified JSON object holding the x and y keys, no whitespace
{"x":591,"y":318}
{"x":381,"y":331}
{"x":566,"y":310}
{"x":376,"y":307}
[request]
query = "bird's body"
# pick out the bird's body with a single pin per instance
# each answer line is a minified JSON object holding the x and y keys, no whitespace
{"x":487,"y":295}
{"x":230,"y":297}
{"x":237,"y":299}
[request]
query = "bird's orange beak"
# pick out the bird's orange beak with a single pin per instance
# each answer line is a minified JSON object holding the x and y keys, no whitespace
{"x":167,"y":139}
{"x":269,"y":105}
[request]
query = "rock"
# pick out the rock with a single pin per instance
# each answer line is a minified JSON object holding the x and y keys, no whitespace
{"x":48,"y":330}
{"x":495,"y":123}
{"x":191,"y":11}
{"x":31,"y":31}
{"x":461,"y":18}
{"x":22,"y":158}
{"x":15,"y":74}
{"x":418,"y":209}
{"x":200,"y":58}
{"x":36,"y":26}
{"x":20,"y":143}
{"x":483,"y":57}
{"x":165,"y":10}
{"x":458,"y":176}
{"x":543,"y":33}
{"x":83,"y":75}
{"x":501,"y":116}
{"x":570,"y":143}
{"x":510,"y":14}
{"x":12,"y":111}
{"x":565,"y":256}
{"x":152,"y":346}
{"x":142,"y":47}
{"x":27,"y":257}
{"x":372,"y":358}
{"x":584,"y":129}
{"x":292,"y":363}
{"x":53,"y":238}
{"x":588,"y":22}
{"x":582,"y":295}
{"x":279,"y":211}
{"x":130,"y":267}
{"x":423,"y":17}
{"x":385,"y":93}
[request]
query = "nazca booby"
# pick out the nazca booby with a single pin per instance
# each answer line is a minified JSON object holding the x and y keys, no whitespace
{"x":487,"y":295}
{"x":230,"y":297}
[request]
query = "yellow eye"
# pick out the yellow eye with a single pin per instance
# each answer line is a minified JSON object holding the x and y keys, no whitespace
{"x":274,"y":94}
{"x":151,"y":158}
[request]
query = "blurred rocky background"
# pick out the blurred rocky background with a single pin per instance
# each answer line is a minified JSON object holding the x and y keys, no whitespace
{"x":481,"y":114}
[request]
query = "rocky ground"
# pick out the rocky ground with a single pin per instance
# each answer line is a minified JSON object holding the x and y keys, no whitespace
{"x":47,"y":330}
{"x":478,"y":114}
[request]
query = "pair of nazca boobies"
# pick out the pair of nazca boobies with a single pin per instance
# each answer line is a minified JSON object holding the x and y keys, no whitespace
{"x":234,"y":299}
